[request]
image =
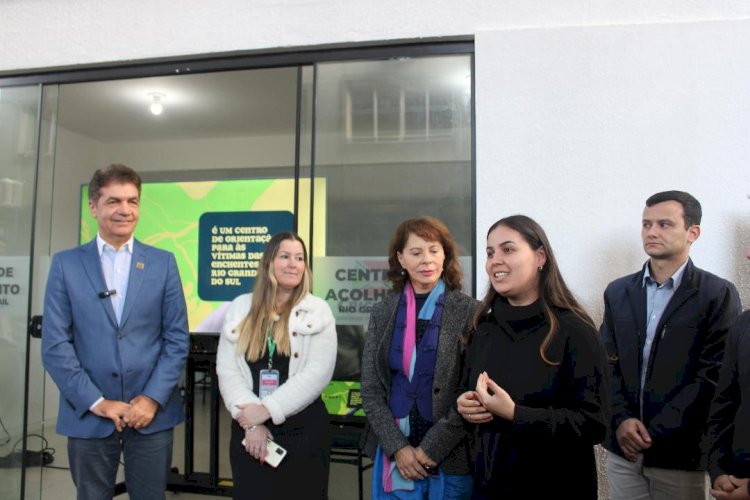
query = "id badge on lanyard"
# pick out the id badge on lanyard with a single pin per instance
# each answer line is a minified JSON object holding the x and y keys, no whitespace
{"x":269,"y":379}
{"x":269,"y":382}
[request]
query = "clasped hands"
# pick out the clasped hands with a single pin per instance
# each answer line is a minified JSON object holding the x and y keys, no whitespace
{"x":728,"y":487}
{"x":251,"y":417}
{"x":137,"y":414}
{"x":256,"y":441}
{"x":251,"y":414}
{"x":487,"y":400}
{"x":411,"y":462}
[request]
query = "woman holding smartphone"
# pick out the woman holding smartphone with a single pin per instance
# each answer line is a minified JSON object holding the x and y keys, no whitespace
{"x":276,"y":354}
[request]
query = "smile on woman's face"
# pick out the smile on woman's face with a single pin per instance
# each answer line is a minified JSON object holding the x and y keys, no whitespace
{"x":513,"y":266}
{"x":289,"y":265}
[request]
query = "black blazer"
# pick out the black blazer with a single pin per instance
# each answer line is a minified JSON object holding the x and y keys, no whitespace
{"x":727,"y":441}
{"x":683,"y":366}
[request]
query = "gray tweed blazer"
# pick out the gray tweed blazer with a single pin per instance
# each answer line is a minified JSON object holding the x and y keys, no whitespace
{"x":446,"y":442}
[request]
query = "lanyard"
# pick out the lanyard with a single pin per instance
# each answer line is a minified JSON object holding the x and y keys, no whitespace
{"x":271,"y":346}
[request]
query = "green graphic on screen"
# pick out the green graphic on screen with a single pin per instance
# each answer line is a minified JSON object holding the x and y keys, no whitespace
{"x":170,"y":211}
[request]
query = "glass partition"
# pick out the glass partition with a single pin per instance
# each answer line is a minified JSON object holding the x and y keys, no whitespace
{"x":221,"y":146}
{"x":19,"y":110}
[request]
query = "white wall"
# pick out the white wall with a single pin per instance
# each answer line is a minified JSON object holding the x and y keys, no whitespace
{"x":577,"y":126}
{"x":43,"y":33}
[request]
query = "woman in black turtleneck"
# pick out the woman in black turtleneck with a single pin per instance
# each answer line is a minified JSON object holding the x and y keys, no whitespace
{"x":534,"y":389}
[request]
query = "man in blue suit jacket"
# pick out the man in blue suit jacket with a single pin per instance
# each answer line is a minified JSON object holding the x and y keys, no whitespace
{"x":115,"y":341}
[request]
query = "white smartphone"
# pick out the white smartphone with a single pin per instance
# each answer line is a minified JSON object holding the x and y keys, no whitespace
{"x":275,"y":455}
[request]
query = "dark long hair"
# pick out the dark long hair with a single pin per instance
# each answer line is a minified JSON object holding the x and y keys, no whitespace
{"x":553,"y":291}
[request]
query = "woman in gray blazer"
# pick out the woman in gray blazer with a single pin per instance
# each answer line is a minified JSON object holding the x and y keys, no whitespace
{"x":410,"y":369}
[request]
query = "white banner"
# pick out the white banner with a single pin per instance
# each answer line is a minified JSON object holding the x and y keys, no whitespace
{"x":353,"y":285}
{"x":14,"y":286}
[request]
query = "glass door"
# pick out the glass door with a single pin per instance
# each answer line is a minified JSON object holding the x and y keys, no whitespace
{"x":43,"y":451}
{"x":19,"y":118}
{"x":220,"y":148}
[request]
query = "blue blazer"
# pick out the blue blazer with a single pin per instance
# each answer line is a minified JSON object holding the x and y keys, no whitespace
{"x":89,"y":355}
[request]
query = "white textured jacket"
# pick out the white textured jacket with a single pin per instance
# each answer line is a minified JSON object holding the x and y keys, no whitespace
{"x":312,"y":334}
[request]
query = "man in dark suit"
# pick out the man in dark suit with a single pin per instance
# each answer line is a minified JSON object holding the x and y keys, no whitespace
{"x":115,"y":341}
{"x":727,"y":441}
{"x":664,"y":328}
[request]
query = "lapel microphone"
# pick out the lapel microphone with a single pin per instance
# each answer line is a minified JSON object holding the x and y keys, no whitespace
{"x":108,"y":293}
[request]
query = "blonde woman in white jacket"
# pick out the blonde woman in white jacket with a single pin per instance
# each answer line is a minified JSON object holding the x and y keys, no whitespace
{"x":276,"y":354}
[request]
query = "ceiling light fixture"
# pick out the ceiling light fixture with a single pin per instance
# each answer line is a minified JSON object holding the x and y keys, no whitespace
{"x":156,"y":102}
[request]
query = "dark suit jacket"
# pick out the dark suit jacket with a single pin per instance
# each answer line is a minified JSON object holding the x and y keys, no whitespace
{"x":683,"y":366}
{"x":446,"y":442}
{"x":727,"y":442}
{"x":89,"y":355}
